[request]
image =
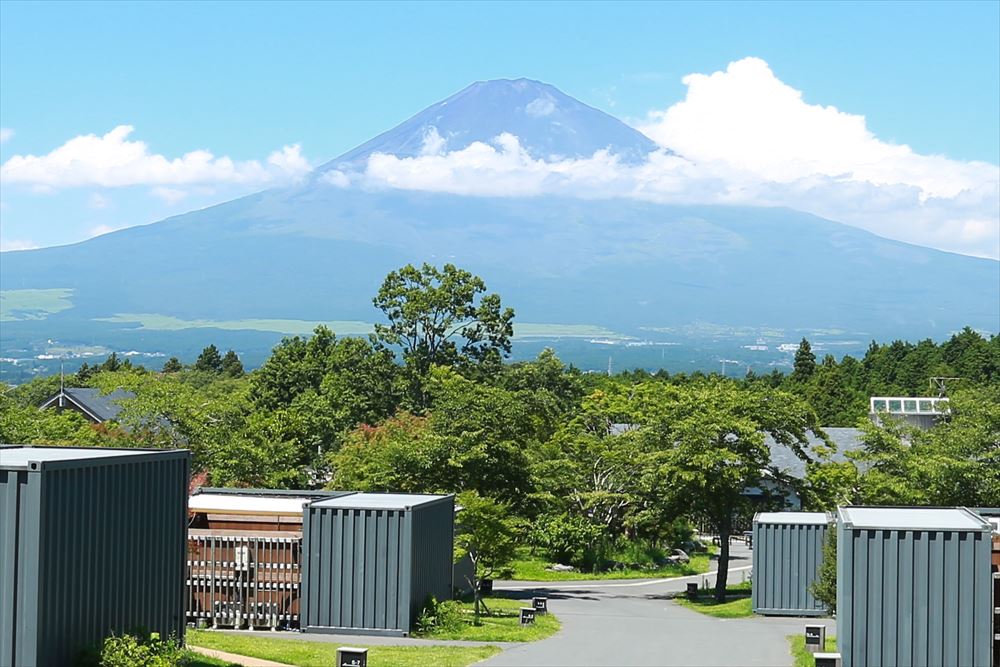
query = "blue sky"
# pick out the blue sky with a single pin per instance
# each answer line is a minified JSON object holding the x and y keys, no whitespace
{"x":245,"y":80}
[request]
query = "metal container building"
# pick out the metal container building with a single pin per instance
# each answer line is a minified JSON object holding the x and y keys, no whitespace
{"x":245,"y":556}
{"x":371,"y":560}
{"x":92,"y":542}
{"x":787,"y":552}
{"x":913,"y":587}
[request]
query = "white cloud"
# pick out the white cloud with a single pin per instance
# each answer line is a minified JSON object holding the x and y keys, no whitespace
{"x":168,"y":195}
{"x":5,"y":134}
{"x":541,"y":106}
{"x":112,"y":160}
{"x":14,"y":244}
{"x":98,"y":201}
{"x":746,"y":138}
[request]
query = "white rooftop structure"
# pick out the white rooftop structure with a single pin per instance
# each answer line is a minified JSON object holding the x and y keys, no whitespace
{"x":20,"y":457}
{"x":913,"y":518}
{"x":227,"y":503}
{"x":798,"y":518}
{"x":378,"y":501}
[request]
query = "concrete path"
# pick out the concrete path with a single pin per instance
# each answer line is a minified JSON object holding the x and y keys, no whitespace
{"x":235,"y":659}
{"x":634,"y":623}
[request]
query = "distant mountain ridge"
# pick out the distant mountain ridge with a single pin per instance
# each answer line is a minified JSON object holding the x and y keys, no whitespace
{"x":547,"y":122}
{"x":319,"y":252}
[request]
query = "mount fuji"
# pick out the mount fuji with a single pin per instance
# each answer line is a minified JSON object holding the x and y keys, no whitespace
{"x":315,"y":252}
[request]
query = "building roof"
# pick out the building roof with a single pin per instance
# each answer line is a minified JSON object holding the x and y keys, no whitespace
{"x":785,"y":460}
{"x":378,"y":501}
{"x":913,"y":518}
{"x":99,"y":407}
{"x":797,"y":518}
{"x":247,"y":504}
{"x":21,"y":455}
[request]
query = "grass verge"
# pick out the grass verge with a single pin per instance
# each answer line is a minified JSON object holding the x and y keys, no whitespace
{"x":503,"y":625}
{"x":804,"y":658}
{"x":533,"y":569}
{"x":317,"y":654}
{"x":737,"y":604}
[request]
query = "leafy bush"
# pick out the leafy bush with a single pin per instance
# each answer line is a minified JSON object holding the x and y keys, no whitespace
{"x":568,"y":539}
{"x":824,"y":588}
{"x":639,"y":553}
{"x":678,"y":534}
{"x":139,"y":650}
{"x":446,"y":616}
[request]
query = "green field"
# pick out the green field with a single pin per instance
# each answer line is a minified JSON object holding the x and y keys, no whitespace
{"x":737,"y":604}
{"x":157,"y":322}
{"x":502,"y":625}
{"x":33,"y":304}
{"x":533,"y":569}
{"x":317,"y":654}
{"x":804,"y":658}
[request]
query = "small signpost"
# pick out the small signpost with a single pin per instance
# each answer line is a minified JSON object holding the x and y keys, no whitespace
{"x":827,"y":659}
{"x":349,"y":656}
{"x":692,"y":590}
{"x":486,"y":586}
{"x":527,"y":615}
{"x":541,"y":605}
{"x":816,"y":638}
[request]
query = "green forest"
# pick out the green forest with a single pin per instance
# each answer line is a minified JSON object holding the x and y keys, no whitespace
{"x":589,"y":469}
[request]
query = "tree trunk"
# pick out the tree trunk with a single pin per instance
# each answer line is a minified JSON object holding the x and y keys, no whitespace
{"x":722,"y":578}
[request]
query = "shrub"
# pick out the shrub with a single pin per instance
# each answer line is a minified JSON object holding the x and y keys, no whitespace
{"x":568,"y":539}
{"x":824,"y":588}
{"x":139,"y":650}
{"x":446,"y":616}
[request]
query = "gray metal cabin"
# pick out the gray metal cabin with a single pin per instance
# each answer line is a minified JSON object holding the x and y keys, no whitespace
{"x":92,"y":542}
{"x":370,"y":560}
{"x":787,"y":553}
{"x":913,"y":587}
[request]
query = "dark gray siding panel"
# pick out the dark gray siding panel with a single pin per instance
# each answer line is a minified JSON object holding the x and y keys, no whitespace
{"x":907,"y":597}
{"x":100,"y":547}
{"x":786,"y":560}
{"x":371,"y":569}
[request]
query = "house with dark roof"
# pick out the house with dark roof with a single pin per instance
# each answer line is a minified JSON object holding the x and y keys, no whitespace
{"x":89,"y":402}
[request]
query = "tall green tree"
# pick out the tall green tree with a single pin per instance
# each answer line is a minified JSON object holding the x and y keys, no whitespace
{"x":209,"y":361}
{"x":805,"y":362}
{"x":172,"y":365}
{"x":441,"y":317}
{"x":231,"y":366}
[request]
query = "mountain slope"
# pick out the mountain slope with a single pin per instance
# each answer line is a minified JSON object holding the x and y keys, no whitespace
{"x":547,"y":121}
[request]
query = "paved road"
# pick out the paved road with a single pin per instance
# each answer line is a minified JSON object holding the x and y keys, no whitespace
{"x":632,"y":623}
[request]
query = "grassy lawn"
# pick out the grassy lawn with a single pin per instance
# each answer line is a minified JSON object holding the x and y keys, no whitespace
{"x":33,"y":304}
{"x":737,"y":604}
{"x":504,"y":625}
{"x":804,"y":658}
{"x":317,"y":654}
{"x":533,"y":569}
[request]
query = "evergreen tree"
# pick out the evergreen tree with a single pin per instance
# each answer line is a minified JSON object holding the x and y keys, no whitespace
{"x":231,"y":365}
{"x":112,"y":363}
{"x":173,"y":365}
{"x":209,"y":360}
{"x":84,"y":372}
{"x":805,"y":362}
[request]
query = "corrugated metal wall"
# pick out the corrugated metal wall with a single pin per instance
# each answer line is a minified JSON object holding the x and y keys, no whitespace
{"x":370,"y":569}
{"x":907,"y":597}
{"x":786,"y":560}
{"x":98,"y":547}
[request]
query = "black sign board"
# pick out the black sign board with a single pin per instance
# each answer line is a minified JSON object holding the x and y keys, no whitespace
{"x":348,"y":656}
{"x":541,"y":605}
{"x":815,"y":638}
{"x":527,"y":615}
{"x":827,"y":660}
{"x":486,"y":586}
{"x":692,"y":590}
